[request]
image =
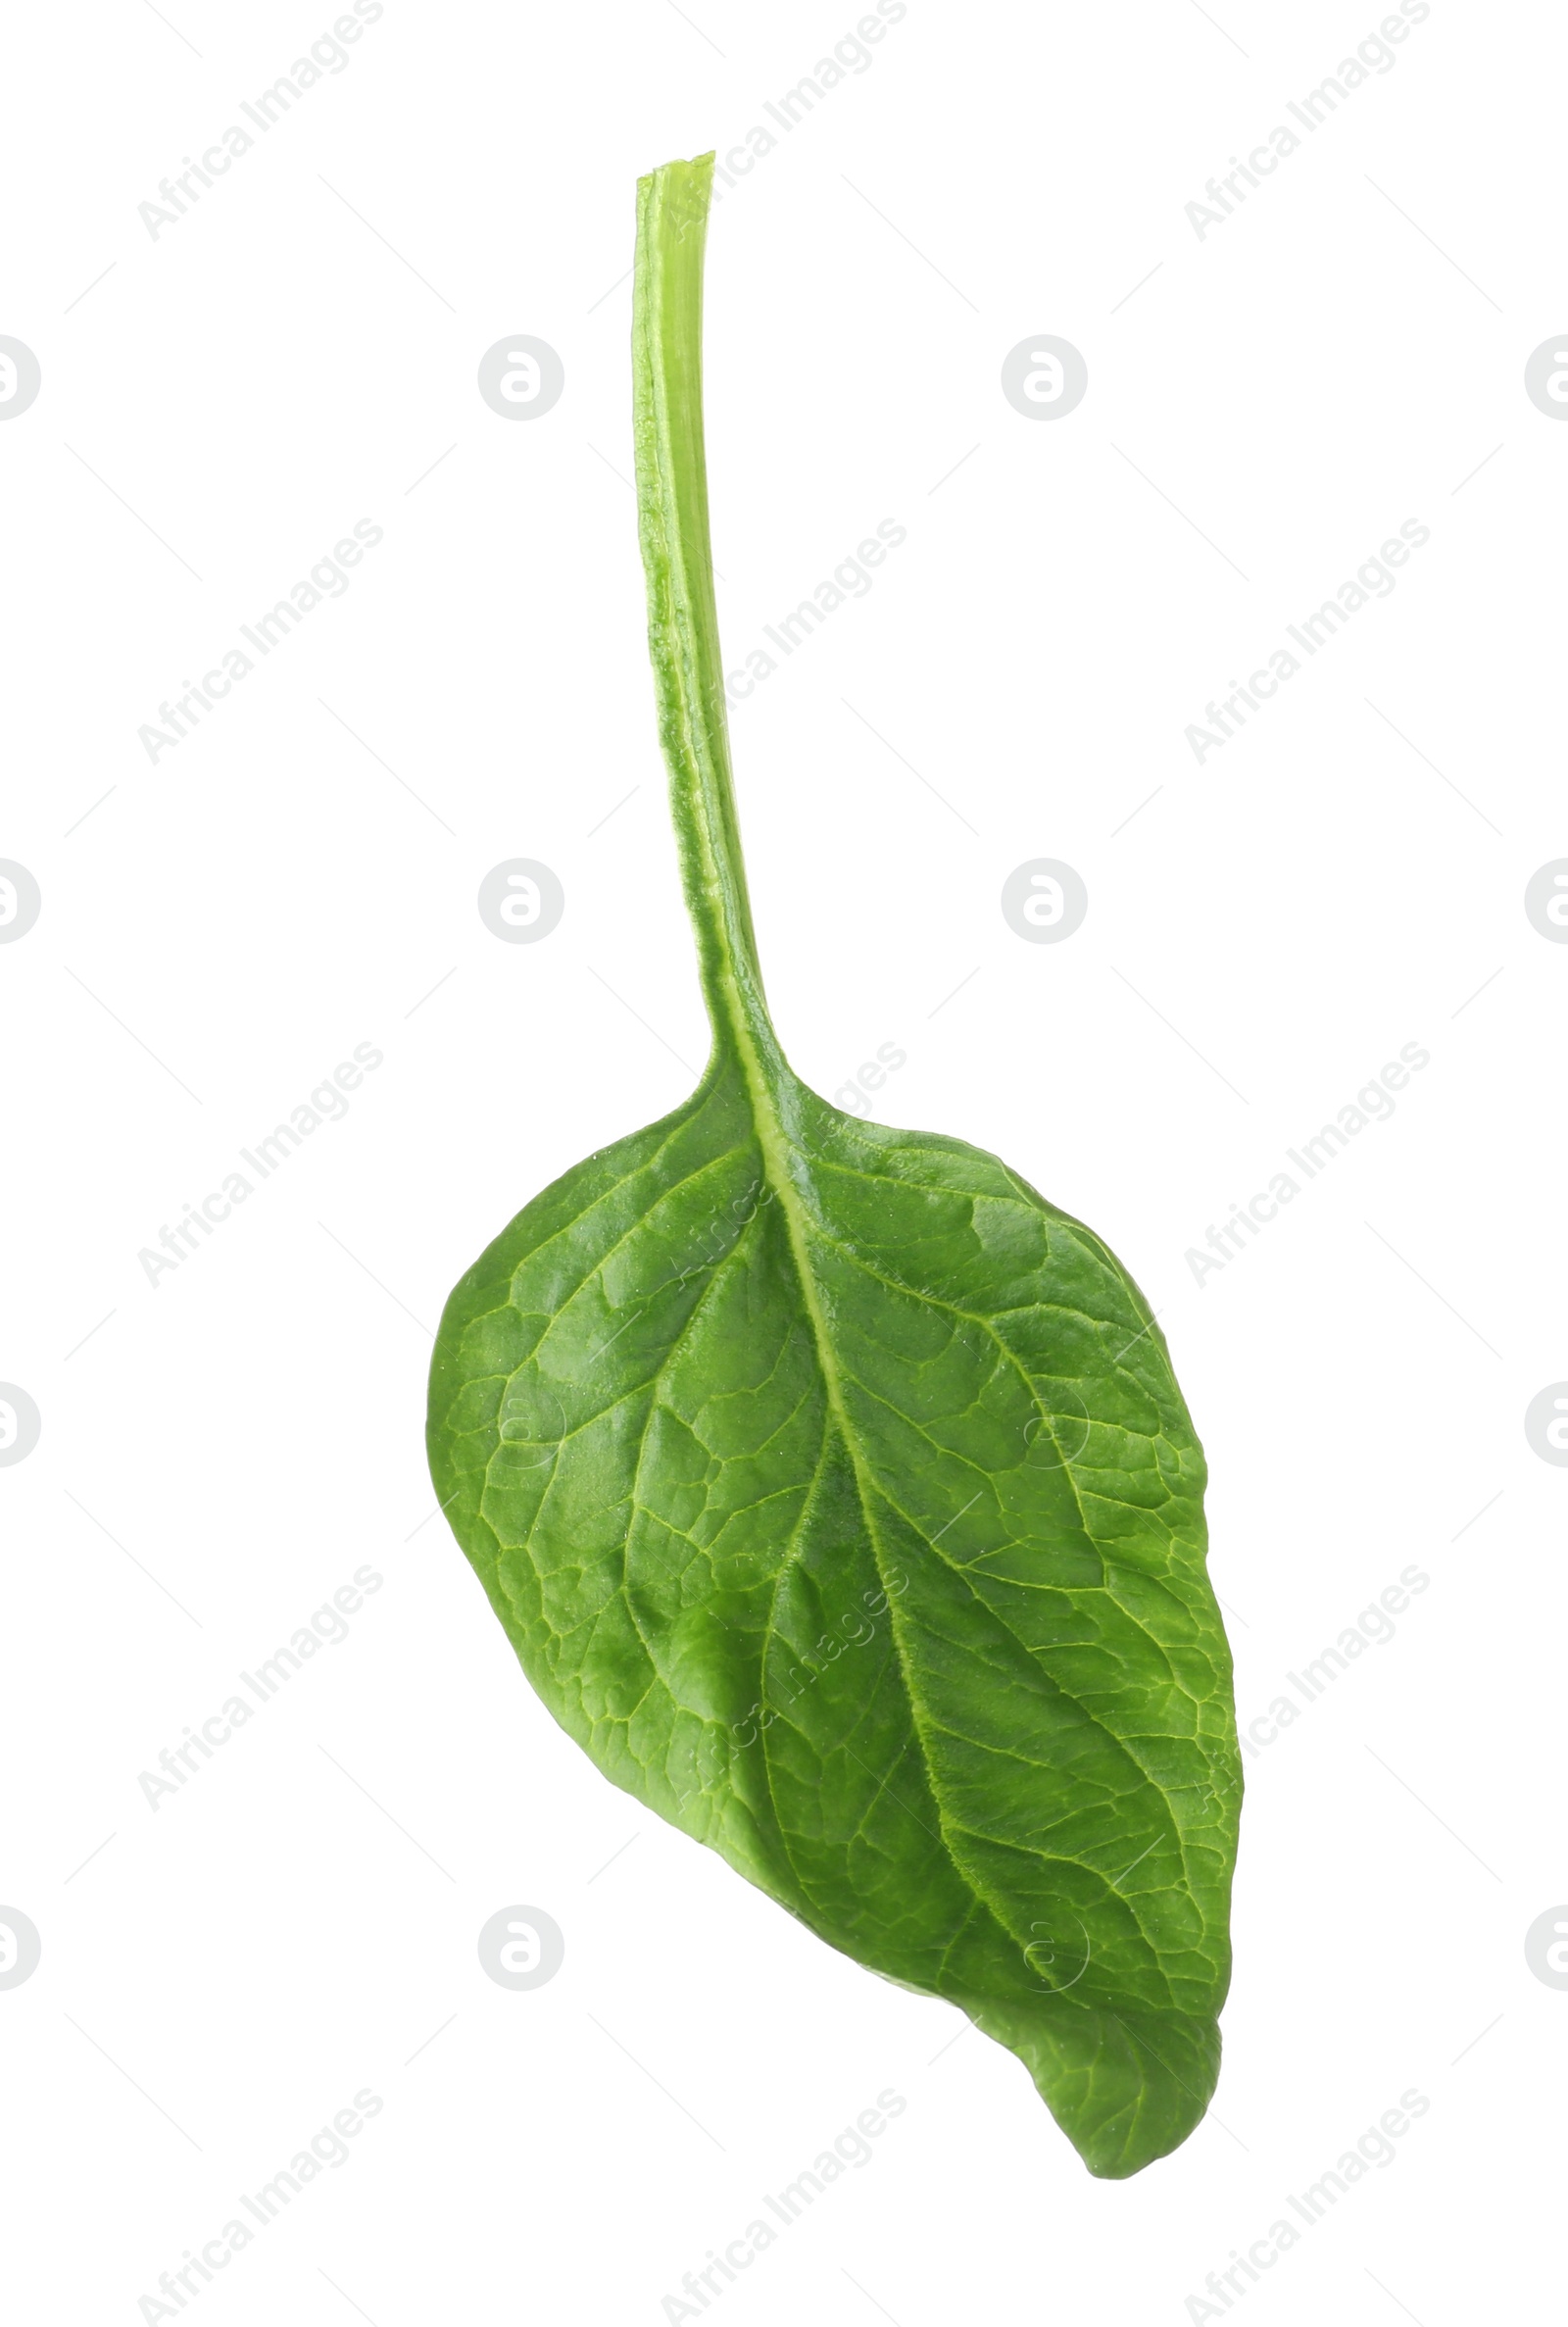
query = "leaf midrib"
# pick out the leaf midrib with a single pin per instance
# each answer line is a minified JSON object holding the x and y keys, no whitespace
{"x":775,"y":1143}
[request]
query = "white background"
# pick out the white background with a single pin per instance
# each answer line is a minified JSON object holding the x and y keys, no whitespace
{"x":220,"y":1450}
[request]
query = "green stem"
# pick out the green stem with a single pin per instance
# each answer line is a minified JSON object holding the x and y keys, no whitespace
{"x":683,"y":616}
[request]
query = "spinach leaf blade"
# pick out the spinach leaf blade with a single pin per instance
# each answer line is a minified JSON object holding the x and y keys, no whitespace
{"x":835,"y":1489}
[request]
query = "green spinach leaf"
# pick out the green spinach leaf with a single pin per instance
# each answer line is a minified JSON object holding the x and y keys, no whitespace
{"x":835,"y":1490}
